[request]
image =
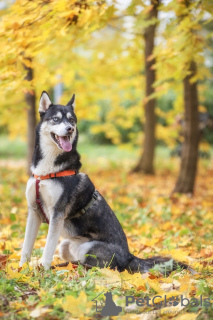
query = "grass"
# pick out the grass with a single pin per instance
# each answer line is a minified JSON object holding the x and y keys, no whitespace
{"x":17,"y":149}
{"x":154,"y":223}
{"x":96,"y":156}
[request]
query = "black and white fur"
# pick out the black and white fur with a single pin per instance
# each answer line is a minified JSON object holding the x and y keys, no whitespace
{"x":96,"y":237}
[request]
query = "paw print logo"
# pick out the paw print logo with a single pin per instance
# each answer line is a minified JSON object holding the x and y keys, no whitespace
{"x":173,"y":301}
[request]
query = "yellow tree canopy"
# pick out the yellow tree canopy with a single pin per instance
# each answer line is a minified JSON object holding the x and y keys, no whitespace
{"x":41,"y":35}
{"x":31,"y":28}
{"x":106,"y":68}
{"x":183,"y":40}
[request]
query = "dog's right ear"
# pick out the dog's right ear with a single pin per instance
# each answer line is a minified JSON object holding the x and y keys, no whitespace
{"x":44,"y":103}
{"x":71,"y":103}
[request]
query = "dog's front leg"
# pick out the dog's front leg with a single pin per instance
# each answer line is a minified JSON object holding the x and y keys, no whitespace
{"x":33,"y":224}
{"x":55,"y":228}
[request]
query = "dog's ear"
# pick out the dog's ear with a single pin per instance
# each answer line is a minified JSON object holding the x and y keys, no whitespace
{"x":71,"y":103}
{"x":44,"y":103}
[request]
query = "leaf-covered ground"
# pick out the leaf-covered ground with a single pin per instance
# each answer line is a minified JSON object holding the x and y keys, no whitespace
{"x":155,"y":223}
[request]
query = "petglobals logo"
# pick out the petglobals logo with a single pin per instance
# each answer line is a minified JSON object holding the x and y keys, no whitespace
{"x":109,"y":307}
{"x":173,"y":301}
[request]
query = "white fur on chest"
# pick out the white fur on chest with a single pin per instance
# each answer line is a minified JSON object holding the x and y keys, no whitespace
{"x":46,"y":165}
{"x":50,"y":192}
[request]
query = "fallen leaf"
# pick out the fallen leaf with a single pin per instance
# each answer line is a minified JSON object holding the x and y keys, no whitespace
{"x":77,"y":306}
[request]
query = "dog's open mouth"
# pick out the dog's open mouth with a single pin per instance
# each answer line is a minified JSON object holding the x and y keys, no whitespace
{"x":62,"y":142}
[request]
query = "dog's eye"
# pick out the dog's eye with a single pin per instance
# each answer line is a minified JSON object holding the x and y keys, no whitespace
{"x":55,"y":119}
{"x":72,"y":121}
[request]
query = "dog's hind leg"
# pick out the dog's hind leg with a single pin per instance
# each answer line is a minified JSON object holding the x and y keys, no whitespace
{"x":55,"y":227}
{"x":103,"y":254}
{"x":65,"y":250}
{"x":74,"y":249}
{"x":33,"y":223}
{"x":95,"y":253}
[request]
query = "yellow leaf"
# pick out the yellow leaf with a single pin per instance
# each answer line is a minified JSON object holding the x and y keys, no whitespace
{"x":134,"y":279}
{"x":77,"y":306}
{"x":110,"y":276}
{"x":15,"y":255}
{"x":16,"y":25}
{"x":69,"y":267}
{"x":154,"y":284}
{"x":13,"y":272}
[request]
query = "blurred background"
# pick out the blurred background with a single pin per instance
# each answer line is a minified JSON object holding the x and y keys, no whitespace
{"x":141,"y":72}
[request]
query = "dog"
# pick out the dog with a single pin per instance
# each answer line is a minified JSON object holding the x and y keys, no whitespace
{"x":66,"y":198}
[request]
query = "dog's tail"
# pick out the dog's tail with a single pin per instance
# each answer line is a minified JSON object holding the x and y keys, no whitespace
{"x":163,"y":264}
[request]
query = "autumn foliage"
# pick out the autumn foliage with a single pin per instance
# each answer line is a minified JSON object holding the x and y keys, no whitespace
{"x":96,"y":50}
{"x":180,"y":227}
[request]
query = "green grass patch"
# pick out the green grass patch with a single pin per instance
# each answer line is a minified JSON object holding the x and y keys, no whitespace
{"x":17,"y":149}
{"x":9,"y":148}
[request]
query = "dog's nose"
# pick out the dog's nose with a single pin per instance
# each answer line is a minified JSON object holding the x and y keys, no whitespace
{"x":70,"y":129}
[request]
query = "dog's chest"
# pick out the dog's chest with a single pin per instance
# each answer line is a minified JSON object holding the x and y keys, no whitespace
{"x":50,"y":192}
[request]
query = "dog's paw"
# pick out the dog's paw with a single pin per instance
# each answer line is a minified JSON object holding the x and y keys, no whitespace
{"x":45,"y":263}
{"x":25,"y":257}
{"x":22,"y":262}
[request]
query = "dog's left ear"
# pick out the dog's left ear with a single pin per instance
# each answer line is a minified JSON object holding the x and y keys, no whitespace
{"x":45,"y":102}
{"x":71,"y":103}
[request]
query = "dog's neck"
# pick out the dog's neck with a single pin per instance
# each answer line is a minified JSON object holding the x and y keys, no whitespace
{"x":48,"y":158}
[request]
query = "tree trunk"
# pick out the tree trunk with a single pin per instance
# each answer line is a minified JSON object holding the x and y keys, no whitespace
{"x":146,"y":160}
{"x":189,"y":155}
{"x":31,"y":118}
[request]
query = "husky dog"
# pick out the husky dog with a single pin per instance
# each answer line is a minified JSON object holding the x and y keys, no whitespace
{"x":75,"y":210}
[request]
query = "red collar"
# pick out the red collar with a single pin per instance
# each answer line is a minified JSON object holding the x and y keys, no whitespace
{"x":57,"y":174}
{"x":49,"y":176}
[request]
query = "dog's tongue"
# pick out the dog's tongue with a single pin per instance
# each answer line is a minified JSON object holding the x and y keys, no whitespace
{"x":65,"y":143}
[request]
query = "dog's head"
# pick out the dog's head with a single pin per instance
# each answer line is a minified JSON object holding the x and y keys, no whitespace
{"x":58,"y":123}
